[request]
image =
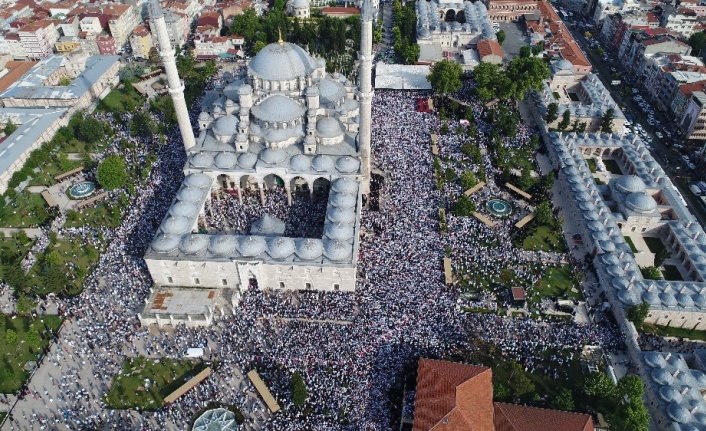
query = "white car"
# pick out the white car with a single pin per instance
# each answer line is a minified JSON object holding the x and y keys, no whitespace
{"x":685,"y":158}
{"x":659,"y":135}
{"x":690,"y":165}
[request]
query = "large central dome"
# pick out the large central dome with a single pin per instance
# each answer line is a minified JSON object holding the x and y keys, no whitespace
{"x":277,"y":62}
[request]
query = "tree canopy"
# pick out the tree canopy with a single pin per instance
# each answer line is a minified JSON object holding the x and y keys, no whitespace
{"x":552,"y":112}
{"x":607,"y":121}
{"x":299,"y":393}
{"x":520,"y":75}
{"x":445,"y":76}
{"x":463,"y":207}
{"x":638,"y":313}
{"x":697,"y":42}
{"x":91,"y":130}
{"x":111,"y":173}
{"x":9,"y":128}
{"x":501,"y":36}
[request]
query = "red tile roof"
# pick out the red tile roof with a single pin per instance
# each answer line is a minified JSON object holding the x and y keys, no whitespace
{"x":688,"y":89}
{"x":513,"y":417}
{"x":341,"y":10}
{"x":561,"y":36}
{"x":488,"y":47}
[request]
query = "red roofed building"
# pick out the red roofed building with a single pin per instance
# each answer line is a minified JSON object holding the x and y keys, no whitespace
{"x":340,"y":12}
{"x":107,"y":45}
{"x":213,"y":19}
{"x":459,"y":397}
{"x":561,"y":40}
{"x":38,"y":38}
{"x":489,"y":51}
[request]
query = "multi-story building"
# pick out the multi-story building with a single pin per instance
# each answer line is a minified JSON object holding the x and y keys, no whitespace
{"x":38,"y":38}
{"x":70,"y":26}
{"x":509,"y":10}
{"x":141,"y":42}
{"x":107,"y":45}
{"x":89,"y":42}
{"x":61,"y":8}
{"x":212,"y":19}
{"x":177,"y":28}
{"x":681,"y":20}
{"x":693,"y":124}
{"x":189,"y":7}
{"x":664,"y":73}
{"x":66,"y":44}
{"x":682,"y":96}
{"x":229,"y":9}
{"x":210,"y":47}
{"x":124,"y":19}
{"x":10,"y":44}
{"x":91,"y":24}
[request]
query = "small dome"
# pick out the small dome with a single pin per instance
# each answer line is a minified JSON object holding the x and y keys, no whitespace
{"x":339,"y":231}
{"x":226,"y":160}
{"x":184,"y":209}
{"x":312,"y":91}
{"x":300,"y":163}
{"x":190,"y":194}
{"x":607,"y":246}
{"x":563,"y":65}
{"x":700,"y":377}
{"x":651,"y":298}
{"x":329,"y":127}
{"x":283,"y":62}
{"x":273,"y":156}
{"x":628,"y":297}
{"x":344,"y":185}
{"x":630,"y":184}
{"x":278,"y":135}
{"x":193,"y":244}
{"x":661,"y":376}
{"x":684,"y":300}
{"x":222,"y":245}
{"x":615,"y":271}
{"x":337,"y":250}
{"x":331,"y":92}
{"x":255,"y":129}
{"x":641,"y":203}
{"x":342,"y":215}
{"x":655,"y":359}
{"x":176,"y":225}
{"x":267,"y":226}
{"x":320,"y":62}
{"x":678,"y":413}
{"x":203,"y":116}
{"x":699,"y":300}
{"x":322,"y":163}
{"x":700,"y":417}
{"x":309,"y":249}
{"x":244,"y":89}
{"x":280,"y":247}
{"x":250,"y":246}
{"x":668,"y":299}
{"x":610,"y":259}
{"x":298,"y":4}
{"x":247,"y":160}
{"x":347,"y":164}
{"x":201,"y":181}
{"x":201,"y":160}
{"x":341,"y":200}
{"x":165,"y":243}
{"x":226,"y":125}
{"x":670,"y":394}
{"x":278,"y":109}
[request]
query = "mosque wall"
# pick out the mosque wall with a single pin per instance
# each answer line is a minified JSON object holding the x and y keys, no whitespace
{"x":676,"y":318}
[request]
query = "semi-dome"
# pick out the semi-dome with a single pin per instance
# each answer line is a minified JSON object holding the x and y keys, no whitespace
{"x":184,"y":209}
{"x":222,"y":245}
{"x":329,"y":127}
{"x":251,"y":245}
{"x":331,"y":92}
{"x":165,"y":243}
{"x":563,"y":65}
{"x":641,"y":203}
{"x":176,"y":225}
{"x":226,"y":160}
{"x":661,"y":376}
{"x":273,"y":155}
{"x":280,"y":247}
{"x":279,"y":135}
{"x":190,"y":194}
{"x":283,"y":62}
{"x":342,"y":215}
{"x":198,"y":180}
{"x":678,"y":413}
{"x":226,"y":126}
{"x":670,"y":394}
{"x":300,"y":163}
{"x":278,"y":109}
{"x":202,"y":160}
{"x":630,"y":184}
{"x":344,"y":185}
{"x":655,"y":359}
{"x":322,"y":163}
{"x":337,"y":250}
{"x":347,"y":164}
{"x":247,"y":160}
{"x":193,"y":244}
{"x":309,"y":248}
{"x":339,"y":231}
{"x":342,"y":200}
{"x":203,"y":116}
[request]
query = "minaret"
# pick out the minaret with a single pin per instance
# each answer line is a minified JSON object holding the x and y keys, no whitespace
{"x":367,"y":18}
{"x":176,"y":88}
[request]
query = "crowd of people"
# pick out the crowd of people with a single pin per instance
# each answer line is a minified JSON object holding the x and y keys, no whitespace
{"x":401,"y":310}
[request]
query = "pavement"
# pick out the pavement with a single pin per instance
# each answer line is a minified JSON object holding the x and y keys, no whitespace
{"x":514,"y":39}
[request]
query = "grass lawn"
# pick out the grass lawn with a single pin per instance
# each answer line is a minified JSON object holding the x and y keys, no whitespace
{"x":114,"y":101}
{"x":97,"y":216}
{"x":68,"y":253}
{"x":591,"y":165}
{"x":667,"y":331}
{"x":599,"y":181}
{"x":15,"y":356}
{"x":671,"y":273}
{"x":128,"y":388}
{"x":543,"y":239}
{"x":612,"y":167}
{"x":654,"y":244}
{"x":14,"y":217}
{"x":631,"y":244}
{"x":557,"y":282}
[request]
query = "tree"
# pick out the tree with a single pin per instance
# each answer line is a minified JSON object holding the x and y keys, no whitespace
{"x":651,"y":273}
{"x":697,"y":41}
{"x":10,"y":128}
{"x":131,"y":72}
{"x":22,"y":237}
{"x":599,"y":384}
{"x":450,"y":175}
{"x":142,"y":125}
{"x":500,"y":392}
{"x":247,"y":24}
{"x":11,"y":336}
{"x":91,"y":130}
{"x":463,"y":207}
{"x":525,"y":182}
{"x":525,"y":51}
{"x":632,"y":417}
{"x":638,"y":313}
{"x":15,"y":277}
{"x":607,"y":122}
{"x":662,"y":255}
{"x":587,"y":35}
{"x":64,"y":81}
{"x":564,"y":401}
{"x":299,"y":393}
{"x":52,"y":258}
{"x":538,"y":48}
{"x":111,"y":173}
{"x":631,"y":386}
{"x":523,"y":74}
{"x":552,"y":112}
{"x":468,"y":179}
{"x":600,"y":51}
{"x":565,"y":121}
{"x":519,"y":380}
{"x":501,"y":36}
{"x":257,"y":47}
{"x":543,"y":213}
{"x":445,"y":76}
{"x":24,"y":305}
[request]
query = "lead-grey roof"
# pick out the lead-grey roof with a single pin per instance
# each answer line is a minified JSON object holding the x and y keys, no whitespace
{"x":278,"y":109}
{"x":222,"y":245}
{"x":226,"y":125}
{"x":344,"y":185}
{"x":309,"y":248}
{"x":331,"y":92}
{"x":641,"y":202}
{"x":282,"y":63}
{"x":280,"y":247}
{"x":337,"y":250}
{"x":329,"y":127}
{"x":226,"y":160}
{"x":198,"y":180}
{"x":347,"y":164}
{"x":339,"y":231}
{"x":250,"y":246}
{"x":267,"y":226}
{"x":193,"y":244}
{"x":630,"y":184}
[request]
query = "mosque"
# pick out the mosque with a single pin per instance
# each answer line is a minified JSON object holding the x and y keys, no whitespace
{"x":284,"y":123}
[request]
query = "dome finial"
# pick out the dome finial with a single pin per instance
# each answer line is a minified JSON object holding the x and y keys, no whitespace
{"x":280,"y":41}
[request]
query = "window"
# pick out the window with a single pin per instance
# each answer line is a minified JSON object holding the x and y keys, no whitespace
{"x":224,"y":282}
{"x":170,"y":280}
{"x":308,"y":286}
{"x":336,"y":287}
{"x":197,"y":281}
{"x":281,"y":284}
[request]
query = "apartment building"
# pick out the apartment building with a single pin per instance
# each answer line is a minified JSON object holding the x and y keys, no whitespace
{"x":10,"y":44}
{"x":38,"y":38}
{"x":124,"y":19}
{"x":693,"y":124}
{"x":141,"y":42}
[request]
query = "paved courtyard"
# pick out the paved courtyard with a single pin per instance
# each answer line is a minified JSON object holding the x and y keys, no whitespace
{"x":514,"y":39}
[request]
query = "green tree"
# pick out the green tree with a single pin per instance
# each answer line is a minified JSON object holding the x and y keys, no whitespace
{"x":64,"y":81}
{"x":500,"y":392}
{"x":298,"y":388}
{"x":632,"y":417}
{"x":24,"y":305}
{"x":91,"y":130}
{"x":445,"y":76}
{"x":599,"y":385}
{"x":525,"y":182}
{"x":538,"y":48}
{"x":111,"y":173}
{"x":519,"y":380}
{"x":15,"y":277}
{"x":543,"y":213}
{"x":450,"y":175}
{"x":143,"y":125}
{"x":697,"y":41}
{"x":11,"y":336}
{"x":525,"y":51}
{"x":22,"y":237}
{"x":552,"y":112}
{"x":565,"y":120}
{"x":638,"y":313}
{"x":631,"y":386}
{"x":10,"y":128}
{"x":607,"y":121}
{"x":651,"y":273}
{"x":463,"y":207}
{"x":52,"y":258}
{"x":468,"y":179}
{"x":501,"y":36}
{"x":54,"y":279}
{"x":662,"y":255}
{"x":600,"y":51}
{"x":564,"y":401}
